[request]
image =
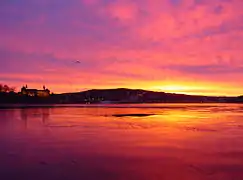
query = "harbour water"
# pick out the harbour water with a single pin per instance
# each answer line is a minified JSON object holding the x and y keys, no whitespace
{"x":122,"y":142}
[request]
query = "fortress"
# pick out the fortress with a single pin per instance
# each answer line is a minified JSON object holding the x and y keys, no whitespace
{"x":35,"y":92}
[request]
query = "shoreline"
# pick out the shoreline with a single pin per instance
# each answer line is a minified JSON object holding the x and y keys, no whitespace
{"x":117,"y":105}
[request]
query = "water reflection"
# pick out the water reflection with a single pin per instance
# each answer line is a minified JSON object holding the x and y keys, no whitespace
{"x":28,"y":114}
{"x":182,"y":142}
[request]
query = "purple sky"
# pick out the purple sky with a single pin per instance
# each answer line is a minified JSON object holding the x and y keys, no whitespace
{"x":186,"y":46}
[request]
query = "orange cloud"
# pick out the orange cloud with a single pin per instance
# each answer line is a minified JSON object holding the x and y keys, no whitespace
{"x":132,"y":43}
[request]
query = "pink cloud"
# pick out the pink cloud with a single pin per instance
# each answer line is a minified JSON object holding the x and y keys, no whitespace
{"x":124,"y":43}
{"x":122,"y":10}
{"x":90,"y":2}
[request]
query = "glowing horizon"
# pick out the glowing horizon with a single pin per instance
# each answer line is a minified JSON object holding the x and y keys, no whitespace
{"x":178,"y":89}
{"x":176,"y":46}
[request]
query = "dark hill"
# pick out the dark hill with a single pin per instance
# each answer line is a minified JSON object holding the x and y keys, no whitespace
{"x":120,"y":95}
{"x":123,"y":95}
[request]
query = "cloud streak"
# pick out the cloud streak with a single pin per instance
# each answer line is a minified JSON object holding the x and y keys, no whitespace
{"x":131,"y":43}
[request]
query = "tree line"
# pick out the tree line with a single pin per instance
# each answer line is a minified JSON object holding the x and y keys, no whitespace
{"x":4,"y":88}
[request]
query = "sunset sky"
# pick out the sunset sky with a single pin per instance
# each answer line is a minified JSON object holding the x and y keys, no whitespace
{"x":182,"y":46}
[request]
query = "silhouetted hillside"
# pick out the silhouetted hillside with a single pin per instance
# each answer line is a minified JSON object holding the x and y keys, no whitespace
{"x":123,"y":95}
{"x":120,"y":95}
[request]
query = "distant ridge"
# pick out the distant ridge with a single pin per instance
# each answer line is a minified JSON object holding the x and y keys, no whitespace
{"x":118,"y":95}
{"x":125,"y":95}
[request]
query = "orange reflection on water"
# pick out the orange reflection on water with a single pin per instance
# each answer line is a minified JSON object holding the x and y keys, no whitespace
{"x":183,"y":141}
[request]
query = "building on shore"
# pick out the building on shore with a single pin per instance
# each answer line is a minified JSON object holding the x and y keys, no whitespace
{"x":35,"y":92}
